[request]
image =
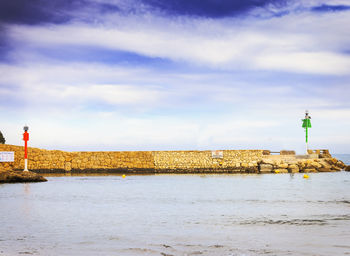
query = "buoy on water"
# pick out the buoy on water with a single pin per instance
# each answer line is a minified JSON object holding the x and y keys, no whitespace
{"x":306,"y":176}
{"x":277,"y":171}
{"x":123,"y":176}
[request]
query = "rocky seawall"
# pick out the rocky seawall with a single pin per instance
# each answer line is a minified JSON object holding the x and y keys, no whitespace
{"x":20,"y":176}
{"x":301,"y":165}
{"x":219,"y":161}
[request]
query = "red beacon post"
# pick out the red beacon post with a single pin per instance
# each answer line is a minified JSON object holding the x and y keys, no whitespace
{"x":25,"y":138}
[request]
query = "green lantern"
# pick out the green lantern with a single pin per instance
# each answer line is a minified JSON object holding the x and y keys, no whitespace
{"x":306,"y":125}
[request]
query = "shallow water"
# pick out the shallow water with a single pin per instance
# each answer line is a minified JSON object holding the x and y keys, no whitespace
{"x":268,"y":214}
{"x":343,"y":157}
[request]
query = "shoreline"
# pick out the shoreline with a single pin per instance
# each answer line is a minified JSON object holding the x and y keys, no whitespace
{"x":152,"y":172}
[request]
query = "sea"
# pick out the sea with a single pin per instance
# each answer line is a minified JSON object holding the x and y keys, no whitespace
{"x":343,"y":157}
{"x":237,"y":214}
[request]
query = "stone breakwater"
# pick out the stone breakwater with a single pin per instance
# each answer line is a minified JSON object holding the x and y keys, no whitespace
{"x":225,"y":161}
{"x":20,"y":176}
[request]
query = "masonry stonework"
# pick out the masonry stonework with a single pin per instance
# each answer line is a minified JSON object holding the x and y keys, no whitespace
{"x":232,"y":161}
{"x":202,"y":161}
{"x":41,"y":160}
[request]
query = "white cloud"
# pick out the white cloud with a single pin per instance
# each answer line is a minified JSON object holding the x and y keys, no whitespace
{"x":78,"y":86}
{"x":112,"y":94}
{"x":97,"y":106}
{"x":305,"y":62}
{"x":305,"y":42}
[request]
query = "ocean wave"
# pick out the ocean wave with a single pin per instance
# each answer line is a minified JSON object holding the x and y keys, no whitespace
{"x":320,"y":221}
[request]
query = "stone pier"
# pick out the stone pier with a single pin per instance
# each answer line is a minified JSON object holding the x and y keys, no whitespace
{"x":219,"y":161}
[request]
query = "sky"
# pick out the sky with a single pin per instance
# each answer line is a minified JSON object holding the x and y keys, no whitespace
{"x":175,"y":74}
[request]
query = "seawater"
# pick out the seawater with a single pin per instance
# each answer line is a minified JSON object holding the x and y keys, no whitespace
{"x":343,"y":157}
{"x":272,"y":214}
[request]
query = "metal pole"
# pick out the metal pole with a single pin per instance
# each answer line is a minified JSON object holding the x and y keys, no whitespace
{"x":306,"y":140}
{"x":25,"y":156}
{"x":25,"y":138}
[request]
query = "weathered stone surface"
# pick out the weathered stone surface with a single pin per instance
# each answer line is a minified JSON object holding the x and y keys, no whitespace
{"x":322,"y":169}
{"x":293,"y":170}
{"x":265,"y":168}
{"x":347,"y":168}
{"x":287,"y":152}
{"x":20,"y":176}
{"x":283,"y":166}
{"x":68,"y":166}
{"x":244,"y":160}
{"x":309,"y":170}
{"x":324,"y":153}
{"x":336,"y":168}
{"x":326,"y":165}
{"x":314,"y":165}
{"x":233,"y":161}
{"x":55,"y":160}
{"x":340,"y":164}
{"x":280,"y":170}
{"x":266,"y":152}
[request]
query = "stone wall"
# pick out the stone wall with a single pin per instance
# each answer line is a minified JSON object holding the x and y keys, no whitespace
{"x":304,"y":164}
{"x":19,"y":157}
{"x":202,"y":161}
{"x":231,"y":161}
{"x":55,"y":160}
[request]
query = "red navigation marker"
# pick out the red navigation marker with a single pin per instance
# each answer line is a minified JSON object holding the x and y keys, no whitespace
{"x":25,"y":138}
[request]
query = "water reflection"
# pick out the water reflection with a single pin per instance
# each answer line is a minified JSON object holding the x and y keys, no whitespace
{"x":26,"y":187}
{"x":26,"y":206}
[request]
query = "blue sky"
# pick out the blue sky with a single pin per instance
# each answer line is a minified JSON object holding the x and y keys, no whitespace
{"x":175,"y":75}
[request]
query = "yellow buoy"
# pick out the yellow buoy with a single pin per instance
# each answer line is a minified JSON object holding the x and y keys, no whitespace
{"x":277,"y":171}
{"x":306,"y":176}
{"x":123,"y":176}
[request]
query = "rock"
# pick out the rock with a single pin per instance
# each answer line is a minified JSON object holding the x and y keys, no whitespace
{"x":340,"y":164}
{"x":244,"y":165}
{"x":287,"y":152}
{"x":68,"y":166}
{"x":253,"y":169}
{"x":265,"y":168}
{"x":20,"y":176}
{"x":326,"y":165}
{"x":324,"y":153}
{"x":347,"y":168}
{"x":301,"y":165}
{"x":293,"y":168}
{"x":325,"y":156}
{"x":333,"y":161}
{"x":283,"y":166}
{"x":324,"y":169}
{"x":309,"y":170}
{"x":280,"y":170}
{"x":266,"y":152}
{"x":314,"y":165}
{"x":336,"y":168}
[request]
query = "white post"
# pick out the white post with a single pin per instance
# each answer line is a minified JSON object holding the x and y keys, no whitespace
{"x":307,"y":148}
{"x":25,"y":165}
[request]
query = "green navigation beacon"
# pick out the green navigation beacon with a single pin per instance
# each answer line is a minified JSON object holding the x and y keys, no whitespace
{"x":306,"y":126}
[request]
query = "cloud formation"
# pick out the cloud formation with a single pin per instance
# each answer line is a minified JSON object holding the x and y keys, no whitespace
{"x":330,"y":8}
{"x":271,"y":44}
{"x":214,"y":9}
{"x":148,"y":74}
